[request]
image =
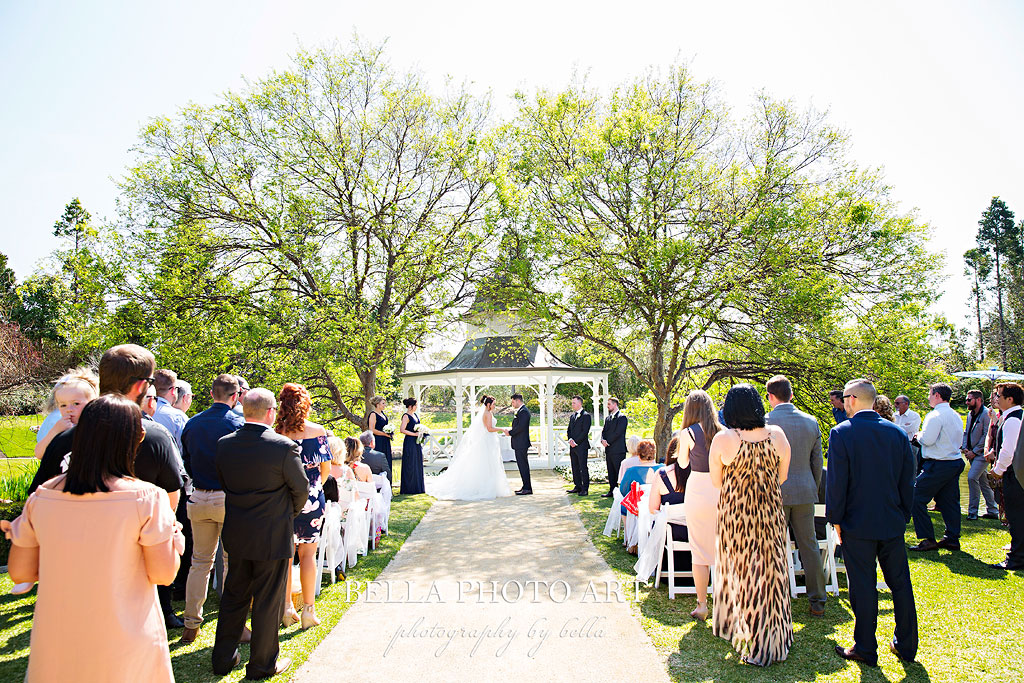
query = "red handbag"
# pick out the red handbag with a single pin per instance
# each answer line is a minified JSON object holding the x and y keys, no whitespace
{"x":630,"y":502}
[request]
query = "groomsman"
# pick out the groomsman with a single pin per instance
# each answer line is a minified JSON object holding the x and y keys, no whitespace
{"x":868,"y":499}
{"x":613,"y":438}
{"x":1009,"y":466}
{"x":520,"y":433}
{"x":579,"y":447}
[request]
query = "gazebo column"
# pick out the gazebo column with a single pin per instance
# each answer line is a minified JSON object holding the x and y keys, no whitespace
{"x":550,"y":408}
{"x":458,"y":409}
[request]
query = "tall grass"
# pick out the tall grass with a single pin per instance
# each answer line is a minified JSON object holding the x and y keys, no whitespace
{"x":15,"y":478}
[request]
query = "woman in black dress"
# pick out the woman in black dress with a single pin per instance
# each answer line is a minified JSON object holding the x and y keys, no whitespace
{"x":412,"y":453}
{"x":375,"y":422}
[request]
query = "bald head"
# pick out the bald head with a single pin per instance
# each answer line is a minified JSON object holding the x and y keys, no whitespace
{"x":859,"y":394}
{"x":259,"y":405}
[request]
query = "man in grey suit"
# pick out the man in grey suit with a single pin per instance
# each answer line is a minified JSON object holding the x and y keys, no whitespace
{"x":800,"y":490}
{"x":972,"y":447}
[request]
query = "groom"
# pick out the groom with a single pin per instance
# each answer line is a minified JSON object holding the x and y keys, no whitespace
{"x":520,"y":433}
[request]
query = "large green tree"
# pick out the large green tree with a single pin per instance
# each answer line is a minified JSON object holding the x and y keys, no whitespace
{"x":695,"y":248}
{"x":998,"y":238}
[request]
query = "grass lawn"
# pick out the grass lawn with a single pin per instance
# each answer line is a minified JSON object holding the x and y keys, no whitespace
{"x":16,"y":438}
{"x":967,"y":616}
{"x":192,"y":662}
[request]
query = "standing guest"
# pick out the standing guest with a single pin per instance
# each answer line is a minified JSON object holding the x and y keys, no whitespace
{"x":376,"y":460}
{"x":172,"y":419}
{"x":883,"y":406}
{"x":243,"y":389}
{"x":632,"y":443}
{"x":613,"y":438}
{"x":69,"y":396}
{"x":149,"y":402}
{"x":578,"y":434}
{"x":905,"y":418}
{"x":376,"y":420}
{"x":800,"y":490}
{"x":1007,"y":469}
{"x":412,"y":454}
{"x":749,"y":462}
{"x":838,"y":413}
{"x":292,"y":423}
{"x":128,"y":369}
{"x":205,"y":507}
{"x":265,"y":487}
{"x":939,"y":439}
{"x":97,"y":539}
{"x":700,"y":425}
{"x":519,"y":435}
{"x":868,"y":500}
{"x":184,"y":400}
{"x":972,"y":447}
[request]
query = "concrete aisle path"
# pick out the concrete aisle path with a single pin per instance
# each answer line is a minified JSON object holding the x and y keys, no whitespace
{"x":438,"y":625}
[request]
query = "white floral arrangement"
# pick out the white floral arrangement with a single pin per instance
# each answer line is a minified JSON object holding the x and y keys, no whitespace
{"x":423,"y":432}
{"x":389,"y":429}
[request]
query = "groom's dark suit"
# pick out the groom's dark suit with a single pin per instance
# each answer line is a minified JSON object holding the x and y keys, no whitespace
{"x":614,"y":432}
{"x":869,"y":493}
{"x":579,"y":431}
{"x":520,"y":433}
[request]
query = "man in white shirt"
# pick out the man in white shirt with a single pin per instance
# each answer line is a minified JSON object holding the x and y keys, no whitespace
{"x":1010,"y":397}
{"x":910,"y":422}
{"x":940,"y":438}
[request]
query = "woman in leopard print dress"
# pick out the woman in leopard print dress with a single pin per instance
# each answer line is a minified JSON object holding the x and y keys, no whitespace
{"x":749,"y":462}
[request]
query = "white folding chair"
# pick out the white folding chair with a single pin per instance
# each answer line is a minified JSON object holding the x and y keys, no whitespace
{"x":355,"y":524}
{"x":384,"y":489}
{"x":330,"y":543}
{"x":632,"y":535}
{"x":827,"y":549}
{"x":613,"y":527}
{"x":375,"y":509}
{"x":671,"y":547}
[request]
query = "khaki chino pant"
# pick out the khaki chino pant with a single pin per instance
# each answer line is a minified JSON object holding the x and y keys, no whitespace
{"x":206,"y":513}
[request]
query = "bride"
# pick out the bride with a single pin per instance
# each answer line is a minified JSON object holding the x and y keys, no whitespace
{"x":476,"y":471}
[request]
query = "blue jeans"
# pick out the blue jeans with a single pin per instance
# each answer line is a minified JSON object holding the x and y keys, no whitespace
{"x":939,"y":479}
{"x":977,"y":486}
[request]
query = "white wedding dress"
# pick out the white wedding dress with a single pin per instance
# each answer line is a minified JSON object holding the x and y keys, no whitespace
{"x":476,"y":471}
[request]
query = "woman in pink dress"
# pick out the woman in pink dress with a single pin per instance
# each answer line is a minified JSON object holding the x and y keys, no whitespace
{"x":98,"y":541}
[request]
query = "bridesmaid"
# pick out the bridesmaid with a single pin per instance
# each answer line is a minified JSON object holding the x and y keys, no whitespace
{"x":376,"y":420}
{"x":412,"y":453}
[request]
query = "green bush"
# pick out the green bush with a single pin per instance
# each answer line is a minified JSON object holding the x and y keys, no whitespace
{"x":9,"y":511}
{"x":15,"y":478}
{"x":533,"y":405}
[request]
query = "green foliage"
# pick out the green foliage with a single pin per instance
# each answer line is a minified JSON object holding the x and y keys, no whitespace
{"x":8,"y":511}
{"x":15,"y":478}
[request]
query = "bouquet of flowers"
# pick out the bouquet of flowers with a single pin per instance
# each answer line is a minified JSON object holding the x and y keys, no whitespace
{"x":423,"y":432}
{"x":389,"y":429}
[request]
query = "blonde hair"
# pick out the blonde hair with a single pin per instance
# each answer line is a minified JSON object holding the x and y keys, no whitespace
{"x":353,"y":449}
{"x":337,"y":449}
{"x":79,"y":378}
{"x":631,"y":444}
{"x":883,"y":406}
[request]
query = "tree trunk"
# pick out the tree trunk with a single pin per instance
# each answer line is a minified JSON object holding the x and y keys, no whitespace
{"x":663,"y":425}
{"x":977,"y":302}
{"x":1002,"y":322}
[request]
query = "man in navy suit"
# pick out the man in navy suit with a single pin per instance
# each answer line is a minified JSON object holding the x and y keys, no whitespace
{"x":579,"y":447}
{"x":868,"y":498}
{"x":613,"y":438}
{"x":520,"y":434}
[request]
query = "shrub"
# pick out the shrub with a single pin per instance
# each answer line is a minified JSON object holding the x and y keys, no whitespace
{"x":8,"y":511}
{"x":533,"y":405}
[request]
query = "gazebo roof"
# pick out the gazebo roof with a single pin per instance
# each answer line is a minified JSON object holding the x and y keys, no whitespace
{"x":502,"y":354}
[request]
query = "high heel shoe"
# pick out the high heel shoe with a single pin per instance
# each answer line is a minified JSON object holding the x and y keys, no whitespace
{"x":309,"y":617}
{"x":701,"y":613}
{"x":290,"y":617}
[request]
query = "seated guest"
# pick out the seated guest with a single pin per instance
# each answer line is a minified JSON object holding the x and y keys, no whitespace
{"x":670,"y":452}
{"x":339,"y":470}
{"x":377,"y":461}
{"x":353,"y":455}
{"x":647,"y":452}
{"x":69,"y":396}
{"x":631,"y":460}
{"x":98,"y":540}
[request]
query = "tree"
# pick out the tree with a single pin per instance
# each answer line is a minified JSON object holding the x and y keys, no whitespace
{"x":978,"y":267}
{"x":341,"y":203}
{"x":74,"y":225}
{"x":999,"y":239}
{"x":696,"y":250}
{"x":8,"y":290}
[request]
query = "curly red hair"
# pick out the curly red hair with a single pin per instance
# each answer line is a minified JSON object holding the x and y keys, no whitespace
{"x":293,"y":409}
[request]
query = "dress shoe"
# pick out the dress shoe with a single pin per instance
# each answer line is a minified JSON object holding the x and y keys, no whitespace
{"x":235,"y":661}
{"x":172,"y":620}
{"x":892,"y":649}
{"x":972,"y":517}
{"x":309,"y":619}
{"x":608,"y":495}
{"x":853,"y":655}
{"x":949,"y":544}
{"x":582,"y":493}
{"x":524,"y":492}
{"x":573,"y":491}
{"x":989,"y":515}
{"x":246,"y":635}
{"x":924,"y":545}
{"x":189,"y":635}
{"x":817,"y":611}
{"x":1007,"y":565}
{"x":290,"y":617}
{"x":282,"y":665}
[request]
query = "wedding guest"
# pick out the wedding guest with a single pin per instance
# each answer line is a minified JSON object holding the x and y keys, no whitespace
{"x":578,"y":434}
{"x":292,"y":423}
{"x":700,"y":425}
{"x":243,"y":389}
{"x":265,"y":488}
{"x":149,"y":402}
{"x":838,"y":413}
{"x":184,"y":400}
{"x":613,"y":438}
{"x":868,"y":500}
{"x":173,"y":420}
{"x":1009,"y":463}
{"x":69,"y":396}
{"x":800,"y":490}
{"x":339,"y":470}
{"x":905,"y":418}
{"x":354,"y":460}
{"x":376,"y":420}
{"x":939,"y":439}
{"x":647,"y":451}
{"x":669,"y":488}
{"x":128,"y":369}
{"x":97,"y":539}
{"x":632,"y":442}
{"x":374,"y":459}
{"x":883,"y":406}
{"x":749,"y":462}
{"x":972,"y":447}
{"x":205,"y":507}
{"x":412,"y":454}
{"x":671,"y":451}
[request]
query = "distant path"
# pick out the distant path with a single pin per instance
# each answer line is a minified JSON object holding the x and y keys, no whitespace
{"x":523,"y":538}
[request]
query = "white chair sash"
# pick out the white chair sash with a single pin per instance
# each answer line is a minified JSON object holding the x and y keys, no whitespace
{"x":614,"y":524}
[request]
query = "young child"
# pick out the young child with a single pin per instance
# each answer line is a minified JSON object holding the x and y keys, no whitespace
{"x":70,"y":394}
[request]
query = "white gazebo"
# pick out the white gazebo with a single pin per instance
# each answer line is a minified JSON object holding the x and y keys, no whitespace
{"x":495,"y":356}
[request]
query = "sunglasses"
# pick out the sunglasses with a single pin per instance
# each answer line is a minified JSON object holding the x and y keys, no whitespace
{"x":150,"y":380}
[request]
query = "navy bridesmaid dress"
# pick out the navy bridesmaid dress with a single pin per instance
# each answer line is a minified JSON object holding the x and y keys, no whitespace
{"x":412,"y":462}
{"x":382,"y":443}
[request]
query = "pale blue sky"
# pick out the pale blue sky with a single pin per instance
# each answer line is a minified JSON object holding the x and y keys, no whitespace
{"x":929,"y":90}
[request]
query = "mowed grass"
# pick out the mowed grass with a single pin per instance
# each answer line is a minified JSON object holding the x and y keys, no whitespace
{"x":969,"y":618}
{"x":17,"y":440}
{"x":191,"y":662}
